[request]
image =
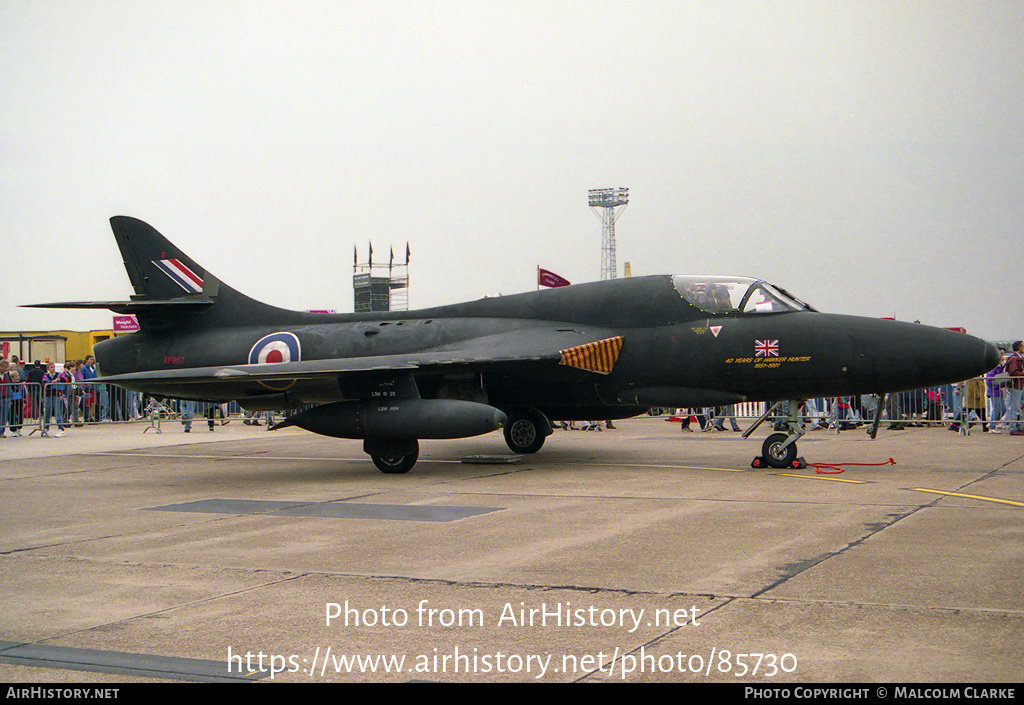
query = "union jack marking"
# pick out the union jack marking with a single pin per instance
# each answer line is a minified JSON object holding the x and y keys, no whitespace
{"x":766,"y":348}
{"x":181,"y":275}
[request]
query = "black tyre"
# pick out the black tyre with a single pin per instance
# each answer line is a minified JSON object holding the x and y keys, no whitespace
{"x":775,"y":455}
{"x":393,"y":458}
{"x":395,"y":466}
{"x":524,"y":432}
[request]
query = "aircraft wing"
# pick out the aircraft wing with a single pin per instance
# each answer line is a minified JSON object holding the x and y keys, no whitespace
{"x":530,"y":345}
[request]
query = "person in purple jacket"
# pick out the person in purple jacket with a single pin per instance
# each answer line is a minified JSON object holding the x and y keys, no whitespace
{"x":995,"y":393}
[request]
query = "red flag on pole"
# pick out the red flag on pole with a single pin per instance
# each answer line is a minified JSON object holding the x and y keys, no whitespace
{"x":546,"y":278}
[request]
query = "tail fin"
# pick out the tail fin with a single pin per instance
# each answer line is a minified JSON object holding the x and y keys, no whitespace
{"x":172,"y":290}
{"x":157,"y":269}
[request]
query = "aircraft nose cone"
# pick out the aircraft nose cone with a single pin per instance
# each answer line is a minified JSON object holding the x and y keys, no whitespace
{"x":922,"y":356}
{"x":962,"y":356}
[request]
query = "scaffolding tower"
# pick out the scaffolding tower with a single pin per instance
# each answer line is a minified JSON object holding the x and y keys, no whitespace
{"x":604,"y":202}
{"x":380,"y":286}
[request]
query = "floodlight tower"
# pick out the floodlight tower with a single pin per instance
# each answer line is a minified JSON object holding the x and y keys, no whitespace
{"x":604,"y":201}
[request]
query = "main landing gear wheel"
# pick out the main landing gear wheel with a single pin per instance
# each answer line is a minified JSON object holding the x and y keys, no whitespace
{"x":775,"y":455}
{"x":393,"y":458}
{"x":395,"y":466}
{"x":525,"y":431}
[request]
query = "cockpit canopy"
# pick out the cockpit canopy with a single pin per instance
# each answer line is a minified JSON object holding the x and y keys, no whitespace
{"x":726,"y":295}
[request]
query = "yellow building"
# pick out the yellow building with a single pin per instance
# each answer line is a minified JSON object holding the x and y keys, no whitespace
{"x":55,"y":345}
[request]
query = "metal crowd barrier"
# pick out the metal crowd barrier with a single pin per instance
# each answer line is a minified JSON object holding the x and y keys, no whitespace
{"x":27,"y":408}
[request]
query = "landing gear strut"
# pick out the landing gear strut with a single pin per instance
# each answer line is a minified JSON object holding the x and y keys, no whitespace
{"x":779,"y":449}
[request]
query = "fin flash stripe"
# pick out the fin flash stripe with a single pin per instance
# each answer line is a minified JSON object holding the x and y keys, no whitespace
{"x":599,"y":356}
{"x":180,"y":275}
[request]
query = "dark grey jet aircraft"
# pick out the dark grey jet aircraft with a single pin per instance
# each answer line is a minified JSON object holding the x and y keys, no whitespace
{"x":602,"y":350}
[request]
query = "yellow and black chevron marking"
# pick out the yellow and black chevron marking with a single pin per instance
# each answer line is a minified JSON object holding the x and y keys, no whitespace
{"x":599,"y":356}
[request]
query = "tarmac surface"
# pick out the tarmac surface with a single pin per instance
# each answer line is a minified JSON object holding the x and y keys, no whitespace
{"x":642,"y":553}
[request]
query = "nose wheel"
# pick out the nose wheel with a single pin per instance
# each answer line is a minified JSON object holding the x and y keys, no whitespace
{"x":776,"y":453}
{"x":779,"y":449}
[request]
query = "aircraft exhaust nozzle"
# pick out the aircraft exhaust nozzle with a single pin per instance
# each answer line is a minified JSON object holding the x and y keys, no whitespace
{"x":399,"y":418}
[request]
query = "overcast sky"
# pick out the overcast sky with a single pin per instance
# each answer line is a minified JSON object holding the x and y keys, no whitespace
{"x":867,"y":156}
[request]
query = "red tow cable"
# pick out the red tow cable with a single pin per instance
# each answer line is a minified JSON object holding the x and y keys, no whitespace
{"x":836,"y":469}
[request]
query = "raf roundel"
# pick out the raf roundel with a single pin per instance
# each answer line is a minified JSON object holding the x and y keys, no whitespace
{"x":276,"y":347}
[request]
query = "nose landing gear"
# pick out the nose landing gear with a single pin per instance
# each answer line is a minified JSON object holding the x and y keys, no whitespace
{"x":779,"y":449}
